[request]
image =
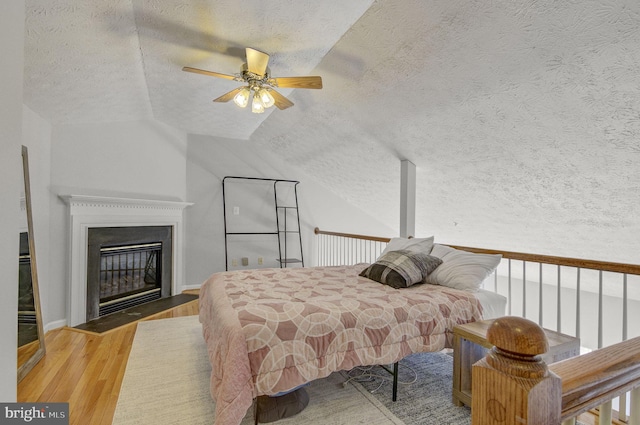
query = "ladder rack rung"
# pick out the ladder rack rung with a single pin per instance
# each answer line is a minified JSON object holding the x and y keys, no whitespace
{"x":288,"y":260}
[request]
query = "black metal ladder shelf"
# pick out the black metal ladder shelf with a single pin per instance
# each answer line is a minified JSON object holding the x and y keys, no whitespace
{"x":283,"y":227}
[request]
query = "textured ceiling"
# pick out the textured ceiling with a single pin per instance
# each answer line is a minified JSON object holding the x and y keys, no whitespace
{"x":523,"y":118}
{"x":121,"y":60}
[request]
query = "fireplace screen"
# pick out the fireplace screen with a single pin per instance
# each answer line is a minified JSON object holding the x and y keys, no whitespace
{"x":128,"y":270}
{"x":127,"y":266}
{"x":129,"y":275}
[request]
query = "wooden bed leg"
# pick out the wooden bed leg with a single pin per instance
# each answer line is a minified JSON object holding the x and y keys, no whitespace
{"x":395,"y":382}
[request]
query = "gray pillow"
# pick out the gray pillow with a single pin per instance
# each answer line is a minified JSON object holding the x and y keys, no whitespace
{"x":402,"y":268}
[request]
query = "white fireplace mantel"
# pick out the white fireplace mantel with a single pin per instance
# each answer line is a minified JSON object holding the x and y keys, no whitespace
{"x":86,"y":212}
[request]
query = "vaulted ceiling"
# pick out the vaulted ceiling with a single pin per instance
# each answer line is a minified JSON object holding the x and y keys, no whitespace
{"x":523,"y":118}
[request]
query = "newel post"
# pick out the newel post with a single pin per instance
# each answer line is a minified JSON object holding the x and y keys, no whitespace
{"x":512,"y":385}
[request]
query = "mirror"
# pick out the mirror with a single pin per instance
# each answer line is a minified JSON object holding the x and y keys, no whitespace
{"x":30,"y":334}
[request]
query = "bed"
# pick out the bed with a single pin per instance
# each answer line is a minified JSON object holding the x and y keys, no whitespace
{"x":270,"y":330}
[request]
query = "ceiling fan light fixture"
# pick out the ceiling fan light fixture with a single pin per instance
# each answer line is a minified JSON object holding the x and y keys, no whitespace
{"x":256,"y":106}
{"x":265,"y":97}
{"x":257,"y":75}
{"x":242,"y":98}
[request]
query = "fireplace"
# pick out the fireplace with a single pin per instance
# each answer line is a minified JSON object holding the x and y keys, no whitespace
{"x":127,"y":266}
{"x":90,"y":213}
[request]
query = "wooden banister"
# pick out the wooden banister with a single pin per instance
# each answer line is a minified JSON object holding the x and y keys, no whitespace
{"x":533,"y":258}
{"x":591,"y":379}
{"x":351,"y":235}
{"x":560,"y":261}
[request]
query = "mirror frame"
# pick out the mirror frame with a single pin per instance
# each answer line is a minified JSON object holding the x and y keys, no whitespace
{"x":39,"y":353}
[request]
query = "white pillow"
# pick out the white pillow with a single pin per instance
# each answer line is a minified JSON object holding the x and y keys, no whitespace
{"x":423,"y":245}
{"x":461,"y":269}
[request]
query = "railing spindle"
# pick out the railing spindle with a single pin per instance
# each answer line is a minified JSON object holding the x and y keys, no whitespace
{"x":495,"y":281}
{"x":625,"y":301}
{"x":540,"y":294}
{"x":605,"y":413}
{"x":509,"y":298}
{"x":524,"y":289}
{"x":600,"y":309}
{"x":634,"y":417}
{"x":622,"y":407}
{"x":559,"y":304}
{"x":578,"y":304}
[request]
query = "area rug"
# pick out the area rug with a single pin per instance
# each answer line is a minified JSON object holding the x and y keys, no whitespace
{"x":426,"y":401}
{"x":166,"y":381}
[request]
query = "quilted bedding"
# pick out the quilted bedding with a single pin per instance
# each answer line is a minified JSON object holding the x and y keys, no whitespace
{"x":271,"y":330}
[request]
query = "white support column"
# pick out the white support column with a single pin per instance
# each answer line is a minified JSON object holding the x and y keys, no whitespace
{"x":407,"y":198}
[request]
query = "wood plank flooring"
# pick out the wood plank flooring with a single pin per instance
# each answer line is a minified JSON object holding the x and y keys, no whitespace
{"x":86,"y":369}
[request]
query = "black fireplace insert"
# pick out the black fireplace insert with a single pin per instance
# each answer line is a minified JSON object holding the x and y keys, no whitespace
{"x":127,"y":266}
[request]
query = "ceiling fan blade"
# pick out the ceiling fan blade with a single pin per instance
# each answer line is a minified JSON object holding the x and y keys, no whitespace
{"x":228,"y":96}
{"x":210,"y":73}
{"x":312,"y":82}
{"x":257,"y":61}
{"x":281,"y":102}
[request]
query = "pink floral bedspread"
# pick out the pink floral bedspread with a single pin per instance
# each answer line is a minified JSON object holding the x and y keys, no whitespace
{"x":271,"y":330}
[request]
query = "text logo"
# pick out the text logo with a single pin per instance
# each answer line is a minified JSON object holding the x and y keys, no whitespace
{"x":34,"y":413}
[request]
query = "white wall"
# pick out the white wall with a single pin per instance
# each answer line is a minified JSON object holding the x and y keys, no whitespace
{"x":126,"y":159}
{"x":210,"y":160}
{"x":11,"y":50}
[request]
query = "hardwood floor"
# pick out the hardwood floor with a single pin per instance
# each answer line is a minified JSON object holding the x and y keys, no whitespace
{"x":86,"y":369}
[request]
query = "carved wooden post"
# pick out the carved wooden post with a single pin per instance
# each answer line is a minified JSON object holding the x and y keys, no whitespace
{"x":512,"y":384}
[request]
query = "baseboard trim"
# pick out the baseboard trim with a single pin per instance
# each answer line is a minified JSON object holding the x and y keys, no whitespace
{"x":55,"y":325}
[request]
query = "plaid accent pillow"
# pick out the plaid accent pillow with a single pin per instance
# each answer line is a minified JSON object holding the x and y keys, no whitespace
{"x":402,"y":268}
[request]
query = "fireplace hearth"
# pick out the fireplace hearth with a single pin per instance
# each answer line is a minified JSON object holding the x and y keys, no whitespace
{"x":127,"y":266}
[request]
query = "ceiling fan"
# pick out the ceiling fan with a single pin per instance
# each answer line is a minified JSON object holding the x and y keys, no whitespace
{"x":260,"y":84}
